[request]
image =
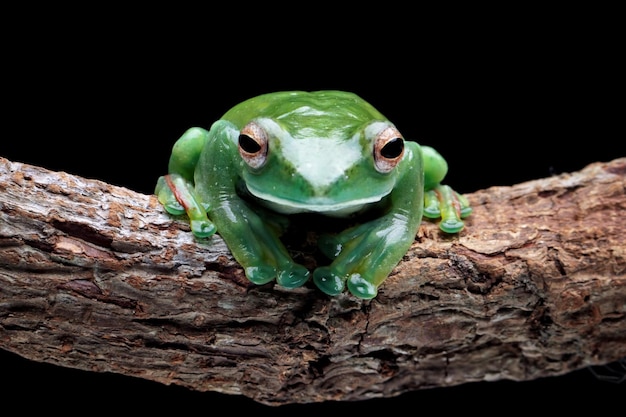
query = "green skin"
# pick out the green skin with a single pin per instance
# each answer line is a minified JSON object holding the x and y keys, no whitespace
{"x":321,"y":158}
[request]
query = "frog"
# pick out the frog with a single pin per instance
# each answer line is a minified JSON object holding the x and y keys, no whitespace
{"x":328,"y":154}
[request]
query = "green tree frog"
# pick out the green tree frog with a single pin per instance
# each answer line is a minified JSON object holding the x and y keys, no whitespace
{"x":322,"y":153}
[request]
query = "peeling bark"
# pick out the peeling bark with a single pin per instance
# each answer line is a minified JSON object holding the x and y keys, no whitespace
{"x":98,"y":277}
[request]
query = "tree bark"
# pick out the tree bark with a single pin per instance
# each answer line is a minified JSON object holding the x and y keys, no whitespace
{"x":98,"y":277}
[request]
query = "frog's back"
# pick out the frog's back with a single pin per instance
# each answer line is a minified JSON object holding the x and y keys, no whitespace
{"x":336,"y":107}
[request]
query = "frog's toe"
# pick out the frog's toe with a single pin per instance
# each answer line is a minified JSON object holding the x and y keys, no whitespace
{"x":432,"y":213}
{"x":260,"y":275}
{"x":361,"y":288}
{"x":431,"y":205}
{"x":453,"y":225}
{"x":174,"y":207}
{"x":327,"y":281}
{"x":169,"y":201}
{"x":466,"y":211}
{"x":293,"y":276}
{"x":202,"y":228}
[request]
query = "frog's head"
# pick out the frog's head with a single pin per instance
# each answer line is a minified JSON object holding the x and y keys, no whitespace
{"x":328,"y":152}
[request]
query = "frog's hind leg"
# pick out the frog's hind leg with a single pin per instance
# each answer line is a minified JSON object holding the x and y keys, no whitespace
{"x":445,"y":203}
{"x":441,"y":201}
{"x":187,"y":151}
{"x":176,"y":190}
{"x":178,"y":196}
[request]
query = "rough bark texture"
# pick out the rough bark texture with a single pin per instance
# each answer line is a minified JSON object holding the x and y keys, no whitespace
{"x":97,"y":277}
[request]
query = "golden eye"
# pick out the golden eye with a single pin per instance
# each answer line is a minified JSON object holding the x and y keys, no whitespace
{"x":253,"y":145}
{"x":388,"y":149}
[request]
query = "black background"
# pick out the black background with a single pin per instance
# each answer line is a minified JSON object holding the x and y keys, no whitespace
{"x":503,"y":102}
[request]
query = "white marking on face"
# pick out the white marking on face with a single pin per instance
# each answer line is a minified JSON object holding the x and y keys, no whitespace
{"x":321,"y":161}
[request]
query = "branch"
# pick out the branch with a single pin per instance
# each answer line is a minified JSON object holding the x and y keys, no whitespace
{"x":98,"y":277}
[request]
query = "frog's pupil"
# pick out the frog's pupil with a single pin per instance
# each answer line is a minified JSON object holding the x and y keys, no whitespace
{"x":248,"y":144}
{"x":393,"y":148}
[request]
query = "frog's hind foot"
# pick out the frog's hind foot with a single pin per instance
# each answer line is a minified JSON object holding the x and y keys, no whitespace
{"x":178,"y":197}
{"x":445,"y":203}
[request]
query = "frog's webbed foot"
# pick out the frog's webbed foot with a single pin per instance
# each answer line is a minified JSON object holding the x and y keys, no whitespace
{"x":333,"y":282}
{"x":330,"y":280}
{"x":288,"y":275}
{"x":445,"y":203}
{"x":178,"y":197}
{"x":363,"y":257}
{"x":255,"y":243}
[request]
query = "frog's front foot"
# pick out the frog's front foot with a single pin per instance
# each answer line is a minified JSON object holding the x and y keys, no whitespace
{"x":445,"y":203}
{"x":363,"y":257}
{"x":288,"y":275}
{"x":333,"y":283}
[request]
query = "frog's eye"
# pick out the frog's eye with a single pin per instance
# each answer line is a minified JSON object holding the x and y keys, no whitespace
{"x":388,"y":149}
{"x":253,"y":145}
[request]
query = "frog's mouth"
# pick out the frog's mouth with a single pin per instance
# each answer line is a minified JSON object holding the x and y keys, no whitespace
{"x":321,"y":205}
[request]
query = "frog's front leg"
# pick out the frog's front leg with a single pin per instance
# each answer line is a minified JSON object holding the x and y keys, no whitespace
{"x":255,"y":244}
{"x":365,"y":255}
{"x":441,"y":201}
{"x":253,"y":240}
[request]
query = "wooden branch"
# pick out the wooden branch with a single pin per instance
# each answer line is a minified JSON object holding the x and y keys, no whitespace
{"x":97,"y":277}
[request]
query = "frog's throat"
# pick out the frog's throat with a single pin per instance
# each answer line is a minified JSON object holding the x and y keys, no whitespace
{"x":321,"y":205}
